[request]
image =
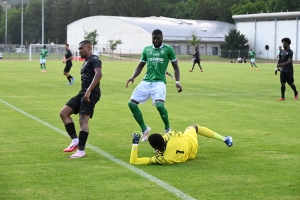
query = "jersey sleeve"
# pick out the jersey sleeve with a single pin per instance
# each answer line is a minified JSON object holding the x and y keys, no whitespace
{"x":143,"y":56}
{"x":155,"y":160}
{"x":96,"y":62}
{"x":171,"y":54}
{"x":291,"y":53}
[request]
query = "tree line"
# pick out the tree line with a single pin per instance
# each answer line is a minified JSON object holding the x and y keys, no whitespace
{"x":59,"y":13}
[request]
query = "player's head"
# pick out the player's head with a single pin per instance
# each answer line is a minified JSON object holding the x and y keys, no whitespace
{"x":250,"y":49}
{"x":196,"y":49}
{"x":44,"y":47}
{"x":85,"y":48}
{"x":157,"y":142}
{"x":67,"y":46}
{"x":157,"y":37}
{"x":286,"y":42}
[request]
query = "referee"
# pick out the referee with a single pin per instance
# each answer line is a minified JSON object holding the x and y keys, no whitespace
{"x":68,"y":61}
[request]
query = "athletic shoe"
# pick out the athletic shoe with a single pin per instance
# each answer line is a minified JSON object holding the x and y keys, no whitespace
{"x":191,"y":70}
{"x":145,"y":134}
{"x":78,"y":154}
{"x":281,"y":99}
{"x":72,"y":147}
{"x":73,"y":79}
{"x":251,"y":68}
{"x":201,"y":70}
{"x":70,"y":83}
{"x":256,"y":68}
{"x":228,"y":141}
{"x":296,"y":97}
{"x":168,"y":130}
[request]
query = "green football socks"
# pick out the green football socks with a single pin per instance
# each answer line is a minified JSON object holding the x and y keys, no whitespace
{"x":137,"y":114}
{"x":163,"y":114}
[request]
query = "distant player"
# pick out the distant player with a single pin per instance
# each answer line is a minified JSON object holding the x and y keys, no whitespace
{"x":169,"y":74}
{"x":196,"y":60}
{"x":174,"y":147}
{"x":157,"y":57}
{"x":43,"y":55}
{"x":279,"y":51}
{"x":68,"y":61}
{"x":285,"y":64}
{"x":1,"y":56}
{"x":252,"y":55}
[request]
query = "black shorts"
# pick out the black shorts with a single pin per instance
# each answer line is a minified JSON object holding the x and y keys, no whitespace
{"x":197,"y":61}
{"x":79,"y":105}
{"x":68,"y":67}
{"x":287,"y":77}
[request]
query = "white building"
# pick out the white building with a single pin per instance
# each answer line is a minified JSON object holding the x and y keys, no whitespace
{"x":135,"y":33}
{"x":268,"y":29}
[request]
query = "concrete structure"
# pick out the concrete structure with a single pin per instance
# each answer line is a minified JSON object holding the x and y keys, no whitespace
{"x":135,"y":33}
{"x":268,"y":29}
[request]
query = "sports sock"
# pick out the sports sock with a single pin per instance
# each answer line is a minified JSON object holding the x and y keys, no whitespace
{"x":137,"y":114}
{"x":41,"y":66}
{"x":200,"y":67}
{"x":169,"y":74}
{"x":82,"y":140}
{"x":45,"y":67}
{"x":209,"y":133}
{"x":251,"y":65}
{"x":254,"y":65}
{"x":70,"y":128}
{"x":193,"y":67}
{"x":282,"y":91}
{"x":69,"y":79}
{"x":295,"y":90}
{"x":163,"y":114}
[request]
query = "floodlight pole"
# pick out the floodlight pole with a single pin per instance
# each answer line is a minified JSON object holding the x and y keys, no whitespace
{"x":42,"y":22}
{"x":22,"y":27}
{"x":5,"y":26}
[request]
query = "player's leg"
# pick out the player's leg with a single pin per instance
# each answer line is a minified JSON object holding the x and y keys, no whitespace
{"x":158,"y":94}
{"x":44,"y":63}
{"x":140,"y":95}
{"x":282,"y":81}
{"x":254,"y":64}
{"x":71,"y":107}
{"x":66,"y":73}
{"x":290,"y":81}
{"x":193,"y":67}
{"x":199,"y":66}
{"x":86,"y":112}
{"x":211,"y":134}
{"x":41,"y":64}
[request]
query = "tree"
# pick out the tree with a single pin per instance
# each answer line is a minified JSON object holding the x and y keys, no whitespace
{"x":194,"y":39}
{"x":113,"y":44}
{"x":236,"y":44}
{"x":92,"y":36}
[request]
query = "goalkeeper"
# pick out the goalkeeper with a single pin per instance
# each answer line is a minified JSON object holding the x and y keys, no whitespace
{"x":174,"y":147}
{"x":43,"y":55}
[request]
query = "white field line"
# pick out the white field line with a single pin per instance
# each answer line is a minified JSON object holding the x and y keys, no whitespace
{"x":155,"y":180}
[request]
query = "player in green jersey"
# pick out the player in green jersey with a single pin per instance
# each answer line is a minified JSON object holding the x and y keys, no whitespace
{"x":153,"y":85}
{"x":252,"y":57}
{"x":43,"y":55}
{"x":174,"y":147}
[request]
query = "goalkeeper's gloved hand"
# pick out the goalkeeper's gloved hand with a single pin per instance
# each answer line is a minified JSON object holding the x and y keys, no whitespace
{"x":136,"y":137}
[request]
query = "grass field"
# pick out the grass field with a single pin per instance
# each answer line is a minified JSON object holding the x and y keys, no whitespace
{"x":228,"y":98}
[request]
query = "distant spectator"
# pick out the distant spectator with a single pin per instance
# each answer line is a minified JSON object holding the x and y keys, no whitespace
{"x":279,"y":50}
{"x":233,"y":61}
{"x":239,"y":60}
{"x":1,"y":56}
{"x":244,"y":60}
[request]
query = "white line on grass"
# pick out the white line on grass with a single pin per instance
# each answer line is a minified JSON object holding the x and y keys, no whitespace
{"x":157,"y":181}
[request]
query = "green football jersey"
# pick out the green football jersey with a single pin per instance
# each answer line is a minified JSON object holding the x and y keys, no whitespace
{"x":252,"y":54}
{"x":157,"y":62}
{"x":43,"y":53}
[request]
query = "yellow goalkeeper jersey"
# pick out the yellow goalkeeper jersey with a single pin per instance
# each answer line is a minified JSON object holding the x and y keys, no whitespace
{"x":179,"y":148}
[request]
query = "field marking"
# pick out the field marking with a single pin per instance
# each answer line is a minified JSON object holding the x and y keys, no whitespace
{"x":155,"y":180}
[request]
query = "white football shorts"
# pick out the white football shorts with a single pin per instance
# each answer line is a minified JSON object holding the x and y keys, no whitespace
{"x":42,"y":60}
{"x":253,"y":60}
{"x":144,"y":90}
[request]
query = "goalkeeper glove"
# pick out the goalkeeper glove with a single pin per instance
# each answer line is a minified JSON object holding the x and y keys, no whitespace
{"x":136,"y":137}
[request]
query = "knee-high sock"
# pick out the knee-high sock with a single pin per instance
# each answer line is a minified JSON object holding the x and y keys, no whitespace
{"x":295,"y":90}
{"x":137,"y":114}
{"x":70,"y":128}
{"x":163,"y":113}
{"x":82,"y":140}
{"x":209,"y":133}
{"x":254,"y":65}
{"x":282,"y":91}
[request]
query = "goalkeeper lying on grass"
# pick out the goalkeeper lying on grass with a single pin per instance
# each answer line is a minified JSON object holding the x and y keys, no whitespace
{"x":174,"y":147}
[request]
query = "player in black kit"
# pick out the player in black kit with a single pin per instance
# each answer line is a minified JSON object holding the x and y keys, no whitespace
{"x":285,"y":66}
{"x":84,"y":102}
{"x":196,"y":59}
{"x":68,"y":61}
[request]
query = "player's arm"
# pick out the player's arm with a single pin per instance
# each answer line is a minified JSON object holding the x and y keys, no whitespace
{"x":136,"y":72}
{"x":177,"y":75}
{"x":278,"y":65}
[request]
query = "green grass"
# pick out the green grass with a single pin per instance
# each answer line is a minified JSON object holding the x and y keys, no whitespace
{"x":227,"y":98}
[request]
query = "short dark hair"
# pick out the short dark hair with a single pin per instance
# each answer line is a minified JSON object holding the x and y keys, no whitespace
{"x":157,"y":32}
{"x":287,"y":40}
{"x":85,"y":42}
{"x":157,"y":141}
{"x":67,"y":44}
{"x":44,"y":46}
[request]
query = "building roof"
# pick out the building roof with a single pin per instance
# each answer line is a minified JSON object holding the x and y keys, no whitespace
{"x":277,"y":15}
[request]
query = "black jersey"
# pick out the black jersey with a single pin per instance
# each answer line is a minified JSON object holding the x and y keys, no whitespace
{"x":88,"y":73}
{"x":68,"y":54}
{"x":284,"y":57}
{"x":196,"y":56}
